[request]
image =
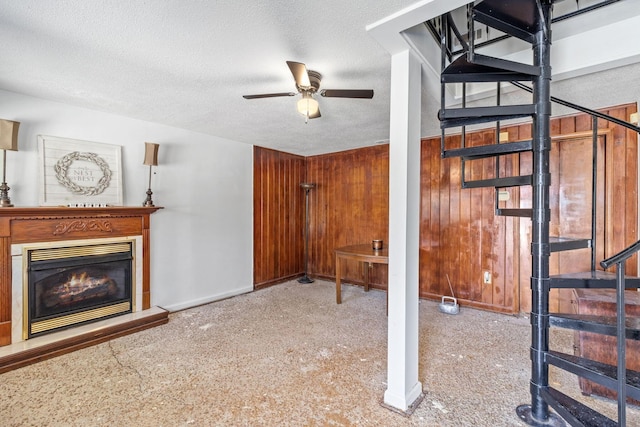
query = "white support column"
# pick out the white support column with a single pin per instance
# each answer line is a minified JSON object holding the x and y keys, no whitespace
{"x":403,"y":387}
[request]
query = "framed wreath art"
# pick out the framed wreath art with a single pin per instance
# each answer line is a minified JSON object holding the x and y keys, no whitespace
{"x":79,"y":173}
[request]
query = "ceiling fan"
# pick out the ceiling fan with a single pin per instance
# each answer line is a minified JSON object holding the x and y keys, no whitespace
{"x":308,"y":84}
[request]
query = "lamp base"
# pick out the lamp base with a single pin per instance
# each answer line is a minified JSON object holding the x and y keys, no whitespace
{"x":5,"y":201}
{"x":148,"y":202}
{"x":305,"y":279}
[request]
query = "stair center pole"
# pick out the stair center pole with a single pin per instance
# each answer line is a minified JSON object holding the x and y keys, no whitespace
{"x":538,"y":413}
{"x":541,"y":218}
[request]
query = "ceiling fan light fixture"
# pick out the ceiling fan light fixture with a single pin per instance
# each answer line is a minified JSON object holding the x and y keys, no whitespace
{"x":307,"y":105}
{"x":307,"y":85}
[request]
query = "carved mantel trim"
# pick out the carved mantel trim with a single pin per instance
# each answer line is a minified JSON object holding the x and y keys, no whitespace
{"x":70,"y":226}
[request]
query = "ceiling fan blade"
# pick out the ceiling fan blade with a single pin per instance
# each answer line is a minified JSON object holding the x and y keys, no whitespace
{"x":269,"y":95}
{"x":347,"y":93}
{"x":300,"y":74}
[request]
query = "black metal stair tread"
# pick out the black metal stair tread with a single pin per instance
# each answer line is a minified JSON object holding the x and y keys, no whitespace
{"x":601,"y":373}
{"x":490,"y":150}
{"x":558,"y":244}
{"x":604,"y":325}
{"x":576,"y":413}
{"x":526,"y":71}
{"x":485,"y":69}
{"x":453,"y":123}
{"x":519,"y":20}
{"x":522,"y":213}
{"x":507,"y":181}
{"x":496,"y":110}
{"x":454,"y":117}
{"x":596,"y":279}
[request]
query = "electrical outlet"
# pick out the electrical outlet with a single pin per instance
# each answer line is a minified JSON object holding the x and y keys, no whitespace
{"x":486,"y":277}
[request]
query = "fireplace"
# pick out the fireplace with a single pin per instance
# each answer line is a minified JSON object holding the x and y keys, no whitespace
{"x":71,"y":285}
{"x":64,"y":247}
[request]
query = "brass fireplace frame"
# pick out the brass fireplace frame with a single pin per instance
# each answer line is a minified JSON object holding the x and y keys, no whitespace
{"x":70,"y":249}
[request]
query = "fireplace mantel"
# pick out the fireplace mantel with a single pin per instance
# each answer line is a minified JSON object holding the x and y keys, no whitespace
{"x":19,"y":225}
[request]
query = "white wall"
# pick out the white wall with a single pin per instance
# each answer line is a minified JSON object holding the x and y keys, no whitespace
{"x":202,"y":241}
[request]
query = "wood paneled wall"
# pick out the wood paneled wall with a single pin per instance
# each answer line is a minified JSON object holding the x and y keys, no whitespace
{"x":348,"y":206}
{"x":460,"y":235}
{"x":617,"y":204}
{"x":278,"y":220}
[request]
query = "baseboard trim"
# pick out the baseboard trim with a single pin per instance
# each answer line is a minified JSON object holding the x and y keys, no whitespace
{"x":202,"y":301}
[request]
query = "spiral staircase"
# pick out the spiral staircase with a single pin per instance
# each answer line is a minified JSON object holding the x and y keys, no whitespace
{"x":530,"y":21}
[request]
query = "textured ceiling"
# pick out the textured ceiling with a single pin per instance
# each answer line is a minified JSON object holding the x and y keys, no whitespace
{"x":187,"y":63}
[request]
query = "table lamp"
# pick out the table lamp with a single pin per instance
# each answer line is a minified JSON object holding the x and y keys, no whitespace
{"x":8,"y":141}
{"x":150,"y":159}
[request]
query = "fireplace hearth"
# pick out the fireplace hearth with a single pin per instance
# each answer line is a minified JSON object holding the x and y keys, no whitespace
{"x":69,"y":286}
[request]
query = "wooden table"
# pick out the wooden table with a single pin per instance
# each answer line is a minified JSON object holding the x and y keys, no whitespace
{"x":364,"y":253}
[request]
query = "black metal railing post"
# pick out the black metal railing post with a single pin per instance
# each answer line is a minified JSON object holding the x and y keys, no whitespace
{"x":622,"y":345}
{"x":594,"y":189}
{"x":619,"y":260}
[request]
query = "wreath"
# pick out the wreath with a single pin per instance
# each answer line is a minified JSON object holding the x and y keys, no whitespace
{"x":62,"y":169}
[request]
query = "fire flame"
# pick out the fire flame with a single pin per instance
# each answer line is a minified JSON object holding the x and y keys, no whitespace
{"x":77,"y":281}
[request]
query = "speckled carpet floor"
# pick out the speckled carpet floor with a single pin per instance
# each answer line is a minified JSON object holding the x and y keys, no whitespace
{"x":287,"y":356}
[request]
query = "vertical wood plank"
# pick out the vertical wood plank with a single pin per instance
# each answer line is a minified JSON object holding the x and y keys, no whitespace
{"x":278,"y":216}
{"x":353,"y":187}
{"x":5,"y":289}
{"x":146,"y":268}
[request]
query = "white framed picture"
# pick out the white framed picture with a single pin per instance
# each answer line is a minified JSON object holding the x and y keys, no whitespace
{"x":79,"y":173}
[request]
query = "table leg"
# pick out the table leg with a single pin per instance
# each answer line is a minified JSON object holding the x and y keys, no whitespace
{"x":367,"y":266}
{"x":338,"y":287}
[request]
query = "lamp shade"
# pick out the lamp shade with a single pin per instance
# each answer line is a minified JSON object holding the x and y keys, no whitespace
{"x":9,"y":135}
{"x":150,"y":154}
{"x":307,"y":106}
